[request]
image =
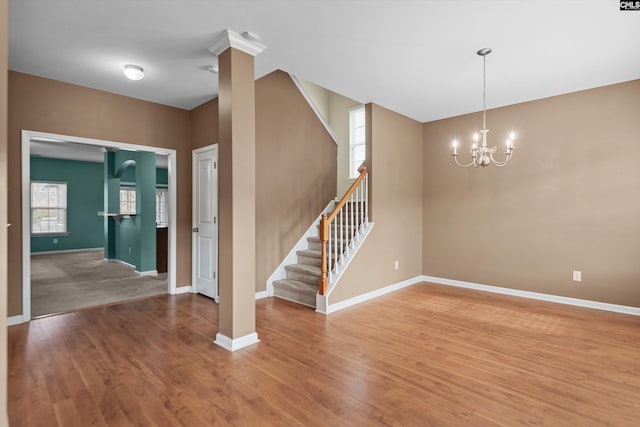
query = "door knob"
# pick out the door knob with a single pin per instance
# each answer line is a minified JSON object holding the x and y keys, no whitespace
{"x":195,"y":230}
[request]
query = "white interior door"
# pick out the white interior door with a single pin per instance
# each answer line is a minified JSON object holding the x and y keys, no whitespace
{"x":205,"y":221}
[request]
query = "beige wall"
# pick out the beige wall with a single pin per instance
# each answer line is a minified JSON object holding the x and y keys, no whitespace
{"x":567,"y":201}
{"x":335,"y":110}
{"x":51,"y":106}
{"x":295,"y":170}
{"x":4,"y":53}
{"x":394,"y":158}
{"x":204,"y":125}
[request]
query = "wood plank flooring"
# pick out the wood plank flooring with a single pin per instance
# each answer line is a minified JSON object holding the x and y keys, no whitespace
{"x":424,"y":355}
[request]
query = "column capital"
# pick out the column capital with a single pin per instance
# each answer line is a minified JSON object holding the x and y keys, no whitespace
{"x":228,"y":38}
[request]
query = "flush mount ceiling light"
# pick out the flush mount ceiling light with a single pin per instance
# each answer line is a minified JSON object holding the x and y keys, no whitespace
{"x":133,"y":72}
{"x":483,"y":155}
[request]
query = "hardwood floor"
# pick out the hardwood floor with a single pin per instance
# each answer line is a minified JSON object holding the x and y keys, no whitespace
{"x":424,"y":355}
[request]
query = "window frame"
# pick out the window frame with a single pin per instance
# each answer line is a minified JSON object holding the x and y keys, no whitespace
{"x":32,"y":208}
{"x":131,"y":189}
{"x":353,"y":144}
{"x":165,"y":223}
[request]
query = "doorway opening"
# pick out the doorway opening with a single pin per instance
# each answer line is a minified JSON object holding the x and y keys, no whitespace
{"x":81,"y":263}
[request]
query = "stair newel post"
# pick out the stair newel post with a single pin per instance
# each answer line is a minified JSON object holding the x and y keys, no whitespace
{"x":324,"y":236}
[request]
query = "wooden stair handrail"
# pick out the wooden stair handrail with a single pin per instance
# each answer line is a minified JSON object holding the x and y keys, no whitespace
{"x":325,"y":220}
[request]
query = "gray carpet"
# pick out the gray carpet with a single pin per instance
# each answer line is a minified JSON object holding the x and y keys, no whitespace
{"x":66,"y":282}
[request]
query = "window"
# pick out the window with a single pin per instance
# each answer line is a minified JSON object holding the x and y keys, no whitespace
{"x":128,"y":200}
{"x":48,"y":207}
{"x":162,"y":208}
{"x":357,"y":140}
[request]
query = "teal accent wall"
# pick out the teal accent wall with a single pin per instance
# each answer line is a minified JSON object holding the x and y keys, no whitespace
{"x":162,"y":177}
{"x":84,"y":201}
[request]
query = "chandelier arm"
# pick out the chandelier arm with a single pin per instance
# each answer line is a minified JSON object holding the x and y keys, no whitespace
{"x":496,"y":162}
{"x":472,"y":163}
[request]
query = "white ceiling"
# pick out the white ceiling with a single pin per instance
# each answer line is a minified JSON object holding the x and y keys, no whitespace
{"x":414,"y":57}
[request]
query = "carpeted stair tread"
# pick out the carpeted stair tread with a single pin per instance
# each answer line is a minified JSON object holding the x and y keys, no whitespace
{"x":297,"y":291}
{"x":311,"y":270}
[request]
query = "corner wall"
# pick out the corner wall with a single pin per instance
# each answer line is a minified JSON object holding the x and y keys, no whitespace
{"x":45,"y":105}
{"x":394,"y":160}
{"x":568,"y":200}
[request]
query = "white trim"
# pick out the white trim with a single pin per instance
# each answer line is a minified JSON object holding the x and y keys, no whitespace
{"x":15,"y":320}
{"x":332,"y":308}
{"x":237,"y":343}
{"x":119,"y":261}
{"x":183,"y":290}
{"x":26,"y":225}
{"x":66,"y":251}
{"x":352,"y":254}
{"x":147,"y":273}
{"x":322,"y":119}
{"x":228,"y":38}
{"x":635,"y":311}
{"x":262,"y":294}
{"x":292,"y":257}
{"x":26,"y":136}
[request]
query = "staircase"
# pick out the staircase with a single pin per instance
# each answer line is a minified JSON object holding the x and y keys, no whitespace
{"x":301,"y":284}
{"x":340,"y":233}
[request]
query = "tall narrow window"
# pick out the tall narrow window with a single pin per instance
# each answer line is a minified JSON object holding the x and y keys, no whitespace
{"x":128,"y":200}
{"x":48,"y":207}
{"x":162,"y":207}
{"x":357,"y":140}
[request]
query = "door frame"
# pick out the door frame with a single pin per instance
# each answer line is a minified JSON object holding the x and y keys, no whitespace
{"x":26,"y":204}
{"x":194,"y":209}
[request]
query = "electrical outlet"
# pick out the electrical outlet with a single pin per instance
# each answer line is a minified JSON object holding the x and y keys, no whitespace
{"x":577,"y":276}
{"x":397,"y":265}
{"x":55,"y":241}
{"x":129,"y":249}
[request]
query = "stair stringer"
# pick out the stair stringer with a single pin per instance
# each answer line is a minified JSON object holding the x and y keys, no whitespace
{"x":322,"y":301}
{"x":291,"y":258}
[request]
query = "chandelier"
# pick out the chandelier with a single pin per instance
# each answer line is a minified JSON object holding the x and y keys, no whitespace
{"x":481,"y":155}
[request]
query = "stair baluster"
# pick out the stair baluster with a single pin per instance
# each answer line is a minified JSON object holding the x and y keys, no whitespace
{"x":355,"y":202}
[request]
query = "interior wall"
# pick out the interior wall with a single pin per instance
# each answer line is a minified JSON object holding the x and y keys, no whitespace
{"x":4,"y":247}
{"x":295,"y":166}
{"x":295,"y":170}
{"x":45,"y":105}
{"x":319,"y":96}
{"x":394,"y":160}
{"x":568,"y":200}
{"x":84,"y":200}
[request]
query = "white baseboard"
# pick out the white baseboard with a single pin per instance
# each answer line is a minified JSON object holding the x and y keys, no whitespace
{"x":635,"y":311}
{"x":332,"y":308}
{"x":147,"y":273}
{"x":237,"y":343}
{"x":15,"y":320}
{"x":66,"y":251}
{"x":119,"y":261}
{"x":183,"y":290}
{"x":262,"y":294}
